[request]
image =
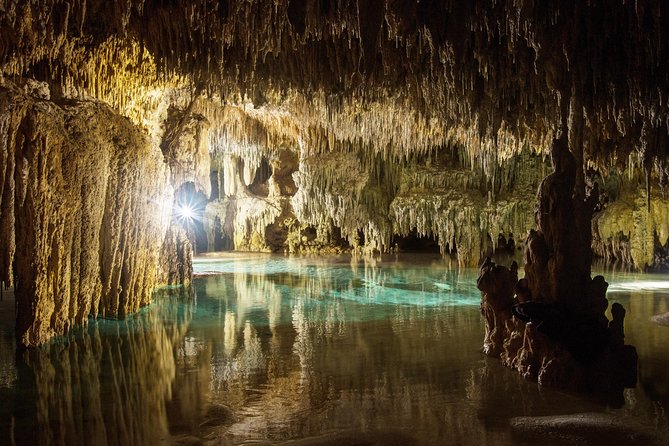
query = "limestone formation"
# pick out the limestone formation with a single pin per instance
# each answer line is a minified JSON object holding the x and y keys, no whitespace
{"x":554,"y":343}
{"x":185,"y":146}
{"x":496,"y":284}
{"x":86,"y":207}
{"x":83,"y":210}
{"x":551,"y":325}
{"x":388,"y":81}
{"x":629,"y":232}
{"x":176,"y":257}
{"x":351,"y":202}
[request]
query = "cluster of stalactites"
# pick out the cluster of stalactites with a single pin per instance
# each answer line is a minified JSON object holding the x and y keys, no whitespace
{"x":370,"y":195}
{"x":338,"y":188}
{"x":464,"y":208}
{"x":407,"y":76}
{"x":248,"y":217}
{"x":633,"y":229}
{"x":434,"y":197}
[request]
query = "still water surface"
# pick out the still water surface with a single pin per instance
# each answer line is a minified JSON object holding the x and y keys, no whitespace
{"x":271,"y":350}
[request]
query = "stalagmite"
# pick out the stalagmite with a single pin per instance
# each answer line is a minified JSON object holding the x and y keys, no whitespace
{"x":551,"y":325}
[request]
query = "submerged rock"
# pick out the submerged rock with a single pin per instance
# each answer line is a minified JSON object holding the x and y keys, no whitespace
{"x":661,"y":319}
{"x":583,"y":428}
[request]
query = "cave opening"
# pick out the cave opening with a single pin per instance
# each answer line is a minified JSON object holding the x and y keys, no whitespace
{"x":189,"y":213}
{"x":415,"y":243}
{"x":259,"y":184}
{"x":222,"y":241}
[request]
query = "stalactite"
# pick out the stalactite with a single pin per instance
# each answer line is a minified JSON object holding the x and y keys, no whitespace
{"x":405,"y":78}
{"x":77,"y":245}
{"x":186,"y":148}
{"x":627,"y":231}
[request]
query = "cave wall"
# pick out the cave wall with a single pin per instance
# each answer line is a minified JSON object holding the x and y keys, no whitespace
{"x":633,"y":230}
{"x":358,"y":200}
{"x":347,"y":198}
{"x":86,"y":202}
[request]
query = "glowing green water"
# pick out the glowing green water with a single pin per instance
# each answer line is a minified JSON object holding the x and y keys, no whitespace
{"x":271,"y":349}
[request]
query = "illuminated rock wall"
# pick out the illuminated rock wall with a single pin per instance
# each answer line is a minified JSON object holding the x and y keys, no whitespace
{"x":85,"y":205}
{"x":633,"y":231}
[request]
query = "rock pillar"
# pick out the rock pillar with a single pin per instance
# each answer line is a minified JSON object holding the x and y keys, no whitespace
{"x":551,"y":325}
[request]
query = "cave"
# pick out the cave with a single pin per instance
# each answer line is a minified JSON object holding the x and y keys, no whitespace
{"x":334,"y":222}
{"x":188,"y":214}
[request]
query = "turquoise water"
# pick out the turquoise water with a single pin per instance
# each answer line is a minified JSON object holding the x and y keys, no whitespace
{"x":279,"y":350}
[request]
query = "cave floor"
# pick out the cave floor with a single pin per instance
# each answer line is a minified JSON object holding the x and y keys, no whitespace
{"x":301,"y":350}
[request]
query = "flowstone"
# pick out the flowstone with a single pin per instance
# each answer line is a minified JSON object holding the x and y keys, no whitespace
{"x":551,"y":325}
{"x":84,"y":213}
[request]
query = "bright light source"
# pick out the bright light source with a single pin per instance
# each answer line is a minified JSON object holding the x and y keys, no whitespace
{"x":185,"y":213}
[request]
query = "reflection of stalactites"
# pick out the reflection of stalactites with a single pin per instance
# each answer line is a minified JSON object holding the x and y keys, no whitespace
{"x":191,"y":386}
{"x":230,"y":333}
{"x":256,"y":292}
{"x":110,"y":383}
{"x":67,"y":381}
{"x":302,"y":347}
{"x":251,"y":359}
{"x":274,"y":310}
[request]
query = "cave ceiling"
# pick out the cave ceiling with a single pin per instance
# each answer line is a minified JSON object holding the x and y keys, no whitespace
{"x":393,"y":77}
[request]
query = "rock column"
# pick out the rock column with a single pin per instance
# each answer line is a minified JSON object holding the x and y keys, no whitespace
{"x":551,"y":325}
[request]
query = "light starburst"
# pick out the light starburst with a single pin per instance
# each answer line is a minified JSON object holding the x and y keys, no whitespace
{"x":185,"y":213}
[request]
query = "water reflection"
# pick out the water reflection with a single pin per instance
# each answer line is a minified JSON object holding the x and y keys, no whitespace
{"x":322,"y":352}
{"x":110,"y":383}
{"x":644,"y":295}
